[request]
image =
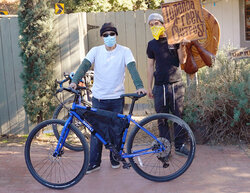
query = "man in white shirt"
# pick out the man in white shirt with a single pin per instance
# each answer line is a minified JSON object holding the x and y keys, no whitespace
{"x":110,"y":61}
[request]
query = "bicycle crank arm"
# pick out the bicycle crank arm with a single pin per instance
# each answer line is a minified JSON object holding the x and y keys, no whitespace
{"x":126,"y":165}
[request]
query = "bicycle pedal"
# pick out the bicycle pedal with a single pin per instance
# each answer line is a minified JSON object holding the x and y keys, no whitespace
{"x":126,"y":165}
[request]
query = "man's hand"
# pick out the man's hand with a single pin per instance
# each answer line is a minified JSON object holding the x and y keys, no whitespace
{"x":141,"y":91}
{"x":73,"y":85}
{"x":182,"y":51}
{"x":184,"y":42}
{"x":150,"y":94}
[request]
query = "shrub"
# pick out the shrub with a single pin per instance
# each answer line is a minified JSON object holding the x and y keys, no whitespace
{"x":38,"y":52}
{"x":219,"y":106}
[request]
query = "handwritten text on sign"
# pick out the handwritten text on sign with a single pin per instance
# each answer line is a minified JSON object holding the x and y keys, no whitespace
{"x":183,"y":19}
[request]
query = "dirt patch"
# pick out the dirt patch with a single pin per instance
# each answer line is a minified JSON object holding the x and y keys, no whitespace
{"x":6,"y":140}
{"x":246,"y":148}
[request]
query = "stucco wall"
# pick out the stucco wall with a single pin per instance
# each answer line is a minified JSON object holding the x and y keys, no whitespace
{"x":228,"y":15}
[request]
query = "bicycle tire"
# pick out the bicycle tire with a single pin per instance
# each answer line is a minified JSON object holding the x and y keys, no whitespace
{"x":164,"y":166}
{"x":64,"y":116}
{"x":62,"y":171}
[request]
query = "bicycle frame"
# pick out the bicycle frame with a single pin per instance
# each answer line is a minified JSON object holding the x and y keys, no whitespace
{"x":72,"y":114}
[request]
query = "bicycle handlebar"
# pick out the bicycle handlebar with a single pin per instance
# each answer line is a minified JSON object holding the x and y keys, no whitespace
{"x":69,"y":77}
{"x":69,"y":90}
{"x":77,"y":92}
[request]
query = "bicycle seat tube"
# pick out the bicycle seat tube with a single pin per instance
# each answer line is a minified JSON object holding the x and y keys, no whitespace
{"x":132,"y":106}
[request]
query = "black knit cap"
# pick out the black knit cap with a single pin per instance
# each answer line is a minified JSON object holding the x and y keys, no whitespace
{"x":108,"y":27}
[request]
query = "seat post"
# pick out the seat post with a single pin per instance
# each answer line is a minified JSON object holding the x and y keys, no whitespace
{"x":132,"y":106}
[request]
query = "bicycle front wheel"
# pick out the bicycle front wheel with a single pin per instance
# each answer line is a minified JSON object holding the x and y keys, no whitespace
{"x":60,"y":171}
{"x":161,"y":164}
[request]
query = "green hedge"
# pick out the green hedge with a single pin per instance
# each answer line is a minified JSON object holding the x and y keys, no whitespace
{"x":218,"y":107}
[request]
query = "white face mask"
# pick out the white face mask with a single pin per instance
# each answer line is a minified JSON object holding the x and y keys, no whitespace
{"x":110,"y":41}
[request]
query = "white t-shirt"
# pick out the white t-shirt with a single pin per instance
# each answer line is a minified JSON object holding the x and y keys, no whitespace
{"x":109,"y":70}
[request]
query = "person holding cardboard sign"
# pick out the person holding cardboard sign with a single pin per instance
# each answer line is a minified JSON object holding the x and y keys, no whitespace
{"x":164,"y":67}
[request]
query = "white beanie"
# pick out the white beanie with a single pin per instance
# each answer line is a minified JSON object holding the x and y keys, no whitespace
{"x":155,"y":16}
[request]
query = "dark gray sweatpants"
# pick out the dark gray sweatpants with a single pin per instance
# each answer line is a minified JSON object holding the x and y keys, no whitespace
{"x":169,"y":98}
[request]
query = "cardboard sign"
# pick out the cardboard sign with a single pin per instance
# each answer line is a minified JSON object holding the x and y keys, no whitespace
{"x":183,"y":19}
{"x":240,"y":53}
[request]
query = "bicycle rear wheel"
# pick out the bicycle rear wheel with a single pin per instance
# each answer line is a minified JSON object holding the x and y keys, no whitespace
{"x":62,"y":113}
{"x":61,"y":171}
{"x":164,"y":165}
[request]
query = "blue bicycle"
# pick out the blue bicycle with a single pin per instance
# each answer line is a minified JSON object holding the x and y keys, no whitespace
{"x":152,"y":156}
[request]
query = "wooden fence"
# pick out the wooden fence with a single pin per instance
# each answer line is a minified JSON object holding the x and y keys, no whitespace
{"x":70,"y":34}
{"x":12,"y":115}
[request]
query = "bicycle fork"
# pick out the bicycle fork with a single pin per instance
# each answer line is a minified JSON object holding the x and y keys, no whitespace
{"x":65,"y":131}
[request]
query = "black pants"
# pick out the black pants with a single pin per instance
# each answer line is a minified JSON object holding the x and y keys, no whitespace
{"x":170,"y":97}
{"x":115,"y":105}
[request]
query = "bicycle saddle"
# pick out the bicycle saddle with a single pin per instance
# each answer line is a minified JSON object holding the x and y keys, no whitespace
{"x":133,"y":95}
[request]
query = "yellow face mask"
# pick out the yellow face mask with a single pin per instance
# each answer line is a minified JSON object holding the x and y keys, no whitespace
{"x":157,"y":31}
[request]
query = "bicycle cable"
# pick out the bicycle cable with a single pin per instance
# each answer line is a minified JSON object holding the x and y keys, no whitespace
{"x":61,"y":102}
{"x":61,"y":89}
